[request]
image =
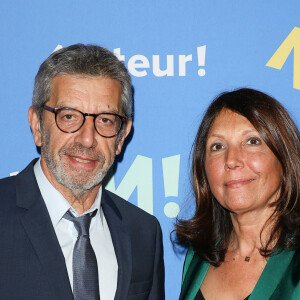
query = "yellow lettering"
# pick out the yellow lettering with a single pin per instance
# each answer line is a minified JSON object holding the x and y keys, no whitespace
{"x":278,"y":59}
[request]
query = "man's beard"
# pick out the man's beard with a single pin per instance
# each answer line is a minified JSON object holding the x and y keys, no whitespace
{"x":81,"y":180}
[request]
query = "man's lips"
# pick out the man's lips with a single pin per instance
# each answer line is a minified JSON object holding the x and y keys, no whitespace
{"x":80,"y":160}
{"x":238,"y":183}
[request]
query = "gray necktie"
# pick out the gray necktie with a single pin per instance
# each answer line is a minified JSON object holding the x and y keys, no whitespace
{"x":85,"y":270}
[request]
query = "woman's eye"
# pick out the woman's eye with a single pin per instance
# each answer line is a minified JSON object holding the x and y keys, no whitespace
{"x":254,"y":141}
{"x":216,"y":147}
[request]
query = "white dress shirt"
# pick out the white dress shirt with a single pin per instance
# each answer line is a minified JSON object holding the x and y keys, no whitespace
{"x":67,"y":234}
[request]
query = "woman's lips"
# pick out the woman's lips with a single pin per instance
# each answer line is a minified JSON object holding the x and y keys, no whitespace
{"x":232,"y":184}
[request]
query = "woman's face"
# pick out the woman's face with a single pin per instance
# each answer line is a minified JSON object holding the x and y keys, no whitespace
{"x":243,"y":173}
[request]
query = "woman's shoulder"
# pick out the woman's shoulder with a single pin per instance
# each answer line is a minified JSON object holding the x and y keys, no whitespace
{"x":296,"y":261}
{"x":288,"y":286}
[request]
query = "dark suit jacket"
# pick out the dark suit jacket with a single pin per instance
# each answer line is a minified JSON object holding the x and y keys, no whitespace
{"x":279,"y":280}
{"x":32,"y":265}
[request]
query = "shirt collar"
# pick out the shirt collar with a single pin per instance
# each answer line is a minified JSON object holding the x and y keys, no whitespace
{"x":55,"y":202}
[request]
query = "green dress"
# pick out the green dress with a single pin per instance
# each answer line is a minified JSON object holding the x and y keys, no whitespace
{"x":280,"y":279}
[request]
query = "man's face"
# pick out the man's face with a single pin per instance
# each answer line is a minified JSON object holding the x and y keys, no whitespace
{"x":79,"y":160}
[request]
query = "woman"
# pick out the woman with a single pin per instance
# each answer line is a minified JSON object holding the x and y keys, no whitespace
{"x":244,"y":237}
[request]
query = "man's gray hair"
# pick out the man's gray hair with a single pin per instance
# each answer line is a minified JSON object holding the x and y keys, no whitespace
{"x":82,"y":59}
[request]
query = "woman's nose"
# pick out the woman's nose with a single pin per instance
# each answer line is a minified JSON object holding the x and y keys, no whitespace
{"x":234,"y":158}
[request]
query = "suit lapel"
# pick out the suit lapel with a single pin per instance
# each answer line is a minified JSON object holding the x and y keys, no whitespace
{"x":37,"y":224}
{"x":122,"y":244}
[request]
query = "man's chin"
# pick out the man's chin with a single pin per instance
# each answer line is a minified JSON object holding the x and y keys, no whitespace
{"x":84,"y":183}
{"x":79,"y":188}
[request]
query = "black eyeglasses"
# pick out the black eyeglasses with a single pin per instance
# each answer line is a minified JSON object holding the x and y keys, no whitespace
{"x":70,"y":120}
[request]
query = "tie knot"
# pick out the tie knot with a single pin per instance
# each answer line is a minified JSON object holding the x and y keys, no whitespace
{"x":81,"y":223}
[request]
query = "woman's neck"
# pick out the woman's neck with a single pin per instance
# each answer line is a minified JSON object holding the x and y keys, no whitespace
{"x":250,"y":233}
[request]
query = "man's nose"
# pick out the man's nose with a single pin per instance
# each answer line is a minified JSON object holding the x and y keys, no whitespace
{"x":86,"y":135}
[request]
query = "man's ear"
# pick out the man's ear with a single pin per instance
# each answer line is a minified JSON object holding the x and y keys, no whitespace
{"x":35,"y":125}
{"x":126,"y":132}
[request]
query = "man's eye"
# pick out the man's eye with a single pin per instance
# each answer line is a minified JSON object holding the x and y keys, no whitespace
{"x":68,"y":117}
{"x":254,"y":141}
{"x":105,"y":121}
{"x":216,"y":147}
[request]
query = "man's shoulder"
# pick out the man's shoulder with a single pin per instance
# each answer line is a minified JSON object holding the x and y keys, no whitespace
{"x":24,"y":182}
{"x":7,"y":195}
{"x":26,"y":173}
{"x":7,"y":184}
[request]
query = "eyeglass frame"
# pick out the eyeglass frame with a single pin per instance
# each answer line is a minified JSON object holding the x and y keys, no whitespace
{"x":55,"y":110}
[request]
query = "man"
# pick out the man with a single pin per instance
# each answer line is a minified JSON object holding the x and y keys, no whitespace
{"x":63,"y":236}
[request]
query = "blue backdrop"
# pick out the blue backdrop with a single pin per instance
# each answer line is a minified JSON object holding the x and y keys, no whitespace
{"x":181,"y":54}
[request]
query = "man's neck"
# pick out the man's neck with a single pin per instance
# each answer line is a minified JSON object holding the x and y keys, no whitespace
{"x":80,"y":201}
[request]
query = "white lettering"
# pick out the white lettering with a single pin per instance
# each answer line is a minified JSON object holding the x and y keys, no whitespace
{"x":183,"y":59}
{"x":138,"y":64}
{"x":139,"y":176}
{"x":117,"y":53}
{"x":169,"y":71}
{"x":133,"y":65}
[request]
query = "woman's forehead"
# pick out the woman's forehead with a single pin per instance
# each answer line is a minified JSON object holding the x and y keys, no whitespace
{"x":228,"y":119}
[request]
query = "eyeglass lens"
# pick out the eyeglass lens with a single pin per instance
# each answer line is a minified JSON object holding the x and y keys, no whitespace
{"x":106,"y":124}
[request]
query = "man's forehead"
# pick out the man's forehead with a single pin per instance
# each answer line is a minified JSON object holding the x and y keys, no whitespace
{"x":66,"y":76}
{"x":77,"y":90}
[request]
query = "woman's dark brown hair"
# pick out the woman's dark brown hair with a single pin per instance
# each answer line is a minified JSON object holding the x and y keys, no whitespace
{"x":209,"y":230}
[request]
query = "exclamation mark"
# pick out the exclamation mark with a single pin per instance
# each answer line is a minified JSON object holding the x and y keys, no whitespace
{"x":201,"y":51}
{"x":170,"y":167}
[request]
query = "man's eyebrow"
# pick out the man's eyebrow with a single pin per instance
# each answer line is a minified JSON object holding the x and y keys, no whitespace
{"x":107,"y":111}
{"x":112,"y":111}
